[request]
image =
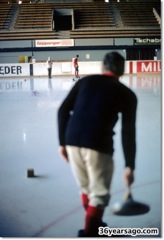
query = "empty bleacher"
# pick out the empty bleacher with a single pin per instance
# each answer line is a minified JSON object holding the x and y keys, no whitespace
{"x":85,"y":14}
{"x":5,"y":16}
{"x":91,"y":20}
{"x":98,"y":15}
{"x":34,"y":16}
{"x":138,"y":20}
{"x":137,"y":13}
{"x":114,"y":33}
{"x":27,"y":35}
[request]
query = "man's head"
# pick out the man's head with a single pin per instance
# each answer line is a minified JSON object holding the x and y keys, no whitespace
{"x":77,"y":56}
{"x":114,"y":62}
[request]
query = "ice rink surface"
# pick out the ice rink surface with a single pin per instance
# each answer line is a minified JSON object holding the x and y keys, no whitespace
{"x":48,"y":205}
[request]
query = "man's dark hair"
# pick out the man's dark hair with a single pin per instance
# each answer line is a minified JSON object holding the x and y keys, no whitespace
{"x":77,"y":56}
{"x":114,"y":62}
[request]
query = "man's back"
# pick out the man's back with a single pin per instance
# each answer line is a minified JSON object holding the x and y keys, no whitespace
{"x":96,"y":102}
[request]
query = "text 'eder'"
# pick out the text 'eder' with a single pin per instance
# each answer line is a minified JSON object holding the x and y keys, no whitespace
{"x":16,"y":70}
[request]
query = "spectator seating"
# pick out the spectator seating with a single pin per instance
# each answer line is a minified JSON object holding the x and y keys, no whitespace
{"x":139,"y":13}
{"x":5,"y":16}
{"x":91,"y":20}
{"x":33,"y":16}
{"x":114,"y":33}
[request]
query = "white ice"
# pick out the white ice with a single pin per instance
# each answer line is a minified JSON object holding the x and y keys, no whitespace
{"x":49,"y":204}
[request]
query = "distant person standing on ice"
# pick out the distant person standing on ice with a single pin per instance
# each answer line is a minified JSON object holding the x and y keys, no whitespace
{"x":49,"y":67}
{"x":76,"y":67}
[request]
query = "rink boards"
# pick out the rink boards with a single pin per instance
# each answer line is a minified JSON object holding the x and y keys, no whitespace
{"x":66,"y":68}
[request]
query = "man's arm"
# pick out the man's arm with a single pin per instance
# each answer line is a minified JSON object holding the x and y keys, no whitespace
{"x":63,"y":153}
{"x":129,"y":131}
{"x":64,"y":114}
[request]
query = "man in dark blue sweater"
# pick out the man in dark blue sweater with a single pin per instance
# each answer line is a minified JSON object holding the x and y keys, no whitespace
{"x":86,"y":119}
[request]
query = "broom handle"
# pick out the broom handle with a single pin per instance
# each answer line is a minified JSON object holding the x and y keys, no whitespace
{"x":129,"y":189}
{"x":128,"y":193}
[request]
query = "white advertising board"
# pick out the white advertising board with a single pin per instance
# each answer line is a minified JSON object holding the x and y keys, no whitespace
{"x":11,"y":70}
{"x":54,"y":43}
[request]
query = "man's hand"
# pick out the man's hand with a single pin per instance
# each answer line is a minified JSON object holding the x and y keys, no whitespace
{"x":128,"y":176}
{"x":63,"y":153}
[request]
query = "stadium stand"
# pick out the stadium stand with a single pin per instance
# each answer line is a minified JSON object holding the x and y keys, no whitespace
{"x":6,"y":13}
{"x":137,"y":13}
{"x":98,"y":15}
{"x":90,"y":19}
{"x":114,"y":32}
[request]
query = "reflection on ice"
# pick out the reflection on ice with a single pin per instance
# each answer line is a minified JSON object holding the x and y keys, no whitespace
{"x":65,"y":83}
{"x":142,"y":81}
{"x":10,"y":85}
{"x":25,"y":84}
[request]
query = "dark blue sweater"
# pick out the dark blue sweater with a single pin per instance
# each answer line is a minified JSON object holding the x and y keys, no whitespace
{"x":89,"y":113}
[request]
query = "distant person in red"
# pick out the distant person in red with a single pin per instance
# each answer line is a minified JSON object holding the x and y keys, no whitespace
{"x":76,"y":67}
